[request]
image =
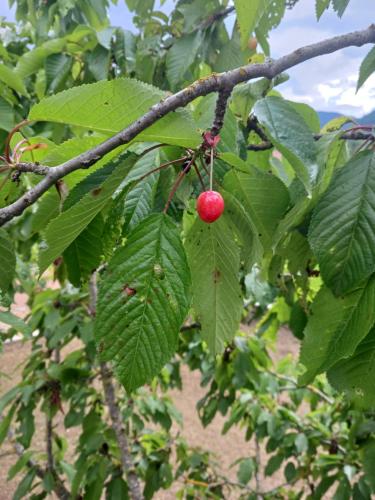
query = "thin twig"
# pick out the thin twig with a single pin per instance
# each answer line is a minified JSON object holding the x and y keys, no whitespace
{"x":258,"y":468}
{"x":58,"y":485}
{"x":310,"y":388}
{"x":49,"y":438}
{"x":216,"y":16}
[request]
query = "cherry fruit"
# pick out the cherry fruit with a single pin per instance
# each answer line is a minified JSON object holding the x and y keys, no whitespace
{"x":210,"y":206}
{"x":252,"y":43}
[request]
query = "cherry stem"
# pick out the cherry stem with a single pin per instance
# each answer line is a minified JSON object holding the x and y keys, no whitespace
{"x":211,"y":168}
{"x":172,"y":162}
{"x":177,"y":183}
{"x":151,"y":148}
{"x":199,"y":176}
{"x":364,"y":144}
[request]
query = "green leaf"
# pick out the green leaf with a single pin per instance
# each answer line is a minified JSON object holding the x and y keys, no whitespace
{"x":7,"y":260}
{"x":98,"y":62}
{"x":92,"y":181}
{"x":47,"y":209}
{"x":63,"y":230}
{"x":181,"y":55}
{"x":252,"y":250}
{"x":264,"y":198}
{"x":139,"y":201}
{"x":320,"y":7}
{"x":5,"y":424}
{"x":369,"y":463}
{"x":273,"y":464}
{"x":290,"y":134}
{"x":10,"y":319}
{"x":7,"y":121}
{"x":143,"y":300}
{"x":332,"y":154}
{"x":57,"y":68}
{"x":293,"y":218}
{"x":83,"y":256}
{"x":24,"y":487}
{"x":30,"y":62}
{"x":335,"y":328}
{"x":10,"y":78}
{"x":342,"y":232}
{"x":367,"y":68}
{"x":309,"y":115}
{"x":290,"y":472}
{"x":110,"y":106}
{"x":355,"y":375}
{"x":301,"y":442}
{"x":245,"y":95}
{"x":339,"y":6}
{"x":116,"y":489}
{"x":230,"y":56}
{"x":246,"y":470}
{"x":20,"y":464}
{"x":214,"y":260}
{"x":248,"y":14}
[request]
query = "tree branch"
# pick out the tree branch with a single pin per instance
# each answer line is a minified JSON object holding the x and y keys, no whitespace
{"x":216,"y":16}
{"x":213,"y":83}
{"x":355,"y":135}
{"x":126,"y":458}
{"x":34,"y":168}
{"x":221,"y":107}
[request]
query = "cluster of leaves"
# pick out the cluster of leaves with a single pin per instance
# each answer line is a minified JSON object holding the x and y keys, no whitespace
{"x":297,"y":232}
{"x":61,"y":380}
{"x":319,"y":444}
{"x":316,"y":438}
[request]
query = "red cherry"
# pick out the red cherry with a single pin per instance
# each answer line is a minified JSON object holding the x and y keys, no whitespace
{"x":210,"y":206}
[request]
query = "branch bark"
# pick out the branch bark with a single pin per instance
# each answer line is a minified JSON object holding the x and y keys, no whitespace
{"x":213,"y":83}
{"x":126,"y":458}
{"x":221,"y":107}
{"x":355,"y":135}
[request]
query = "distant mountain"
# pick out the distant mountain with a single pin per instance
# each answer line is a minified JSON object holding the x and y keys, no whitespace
{"x":368,"y":119}
{"x":326,"y":116}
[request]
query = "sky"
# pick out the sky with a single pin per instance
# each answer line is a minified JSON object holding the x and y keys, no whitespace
{"x":327,"y":83}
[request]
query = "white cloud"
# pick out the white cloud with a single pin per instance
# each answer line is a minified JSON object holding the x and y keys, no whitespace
{"x":363,"y":100}
{"x":328,"y":91}
{"x":328,"y":83}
